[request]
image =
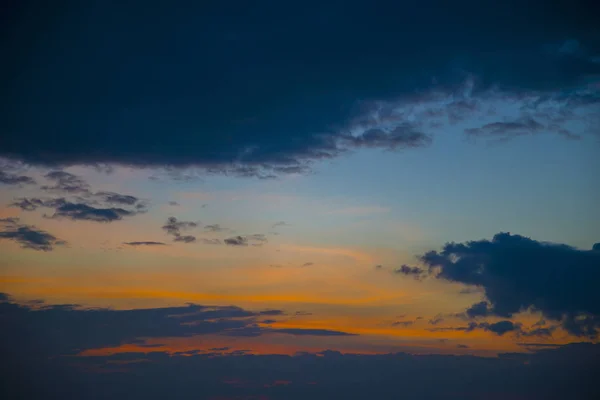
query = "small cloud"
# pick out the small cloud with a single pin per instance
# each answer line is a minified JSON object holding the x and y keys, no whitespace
{"x":462,"y":346}
{"x":173,"y":203}
{"x":214,"y":228}
{"x":437,"y":319}
{"x":211,"y":241}
{"x":184,"y":238}
{"x":116,"y":198}
{"x":302,"y":313}
{"x":28,"y":236}
{"x":257,"y":239}
{"x":480,"y":309}
{"x":271,"y":312}
{"x":174,"y":227}
{"x":280,"y":223}
{"x":144,"y":243}
{"x":500,"y":328}
{"x":66,"y":182}
{"x":407,"y":270}
{"x":312,"y":332}
{"x":7,"y":178}
{"x":308,"y":264}
{"x":402,"y":323}
{"x":236,"y":241}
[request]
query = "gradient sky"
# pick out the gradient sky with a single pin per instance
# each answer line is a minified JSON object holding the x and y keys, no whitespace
{"x":361,"y":177}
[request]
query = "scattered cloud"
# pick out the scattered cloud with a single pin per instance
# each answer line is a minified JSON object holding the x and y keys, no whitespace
{"x":311,"y":332}
{"x":215,"y":228}
{"x":211,"y":241}
{"x":185,"y":238}
{"x":407,"y":270}
{"x":236,"y":241}
{"x":80,"y":202}
{"x":144,"y":243}
{"x":116,"y":198}
{"x":257,"y":239}
{"x":65,"y":182}
{"x":174,"y":227}
{"x":84,"y":212}
{"x":403,"y":323}
{"x":7,"y":178}
{"x":28,"y":236}
{"x":437,"y":319}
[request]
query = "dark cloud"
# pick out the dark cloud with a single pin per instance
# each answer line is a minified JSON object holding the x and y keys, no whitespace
{"x":71,"y":329}
{"x":76,"y":211}
{"x":308,"y":264}
{"x":500,"y":328}
{"x":517,"y":273}
{"x":311,"y":332}
{"x":144,"y":243}
{"x":540,"y":332}
{"x":185,"y":238}
{"x":33,"y":203}
{"x":7,"y":178}
{"x":236,"y":241}
{"x":507,"y":129}
{"x":403,"y":136}
{"x":29,"y":237}
{"x":66,"y":182}
{"x":84,"y":212}
{"x":81,"y":203}
{"x":407,"y":270}
{"x":255,"y":240}
{"x":271,"y":312}
{"x":402,"y":323}
{"x":116,"y":198}
{"x":103,"y":98}
{"x":302,"y":313}
{"x":480,"y":309}
{"x":174,"y":227}
{"x":546,"y":374}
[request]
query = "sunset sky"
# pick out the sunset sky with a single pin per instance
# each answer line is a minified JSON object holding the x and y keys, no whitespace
{"x":275,"y":179}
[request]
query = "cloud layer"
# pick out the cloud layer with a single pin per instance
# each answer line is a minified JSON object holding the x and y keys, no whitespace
{"x":259,"y":95}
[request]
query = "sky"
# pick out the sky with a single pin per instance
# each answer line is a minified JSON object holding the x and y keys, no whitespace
{"x":278,"y":200}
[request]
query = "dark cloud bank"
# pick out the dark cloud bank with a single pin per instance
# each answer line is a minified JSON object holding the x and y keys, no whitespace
{"x":270,"y":89}
{"x":38,"y":344}
{"x":516,"y":273}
